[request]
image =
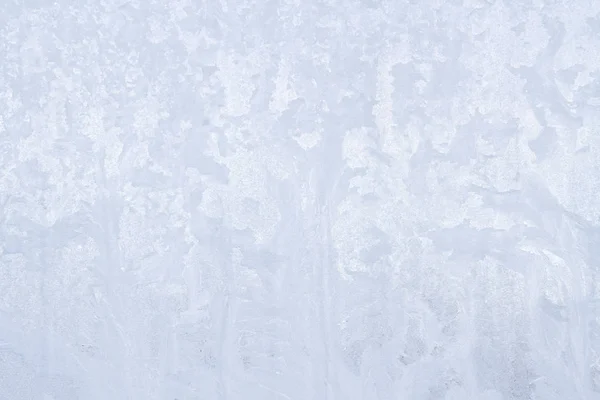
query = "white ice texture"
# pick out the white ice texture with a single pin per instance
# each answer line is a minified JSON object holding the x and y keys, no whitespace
{"x":299,"y":200}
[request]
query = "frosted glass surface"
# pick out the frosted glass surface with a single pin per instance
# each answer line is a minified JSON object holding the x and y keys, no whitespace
{"x":299,"y":200}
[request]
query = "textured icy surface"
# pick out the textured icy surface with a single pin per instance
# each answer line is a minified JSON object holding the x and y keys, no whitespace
{"x":299,"y":200}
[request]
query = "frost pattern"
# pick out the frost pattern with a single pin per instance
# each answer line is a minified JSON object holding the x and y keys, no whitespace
{"x":317,"y":199}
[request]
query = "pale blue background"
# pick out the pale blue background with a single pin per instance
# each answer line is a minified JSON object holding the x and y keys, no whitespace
{"x":299,"y":200}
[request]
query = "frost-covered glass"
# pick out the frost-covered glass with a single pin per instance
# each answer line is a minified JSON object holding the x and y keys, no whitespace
{"x":299,"y":200}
